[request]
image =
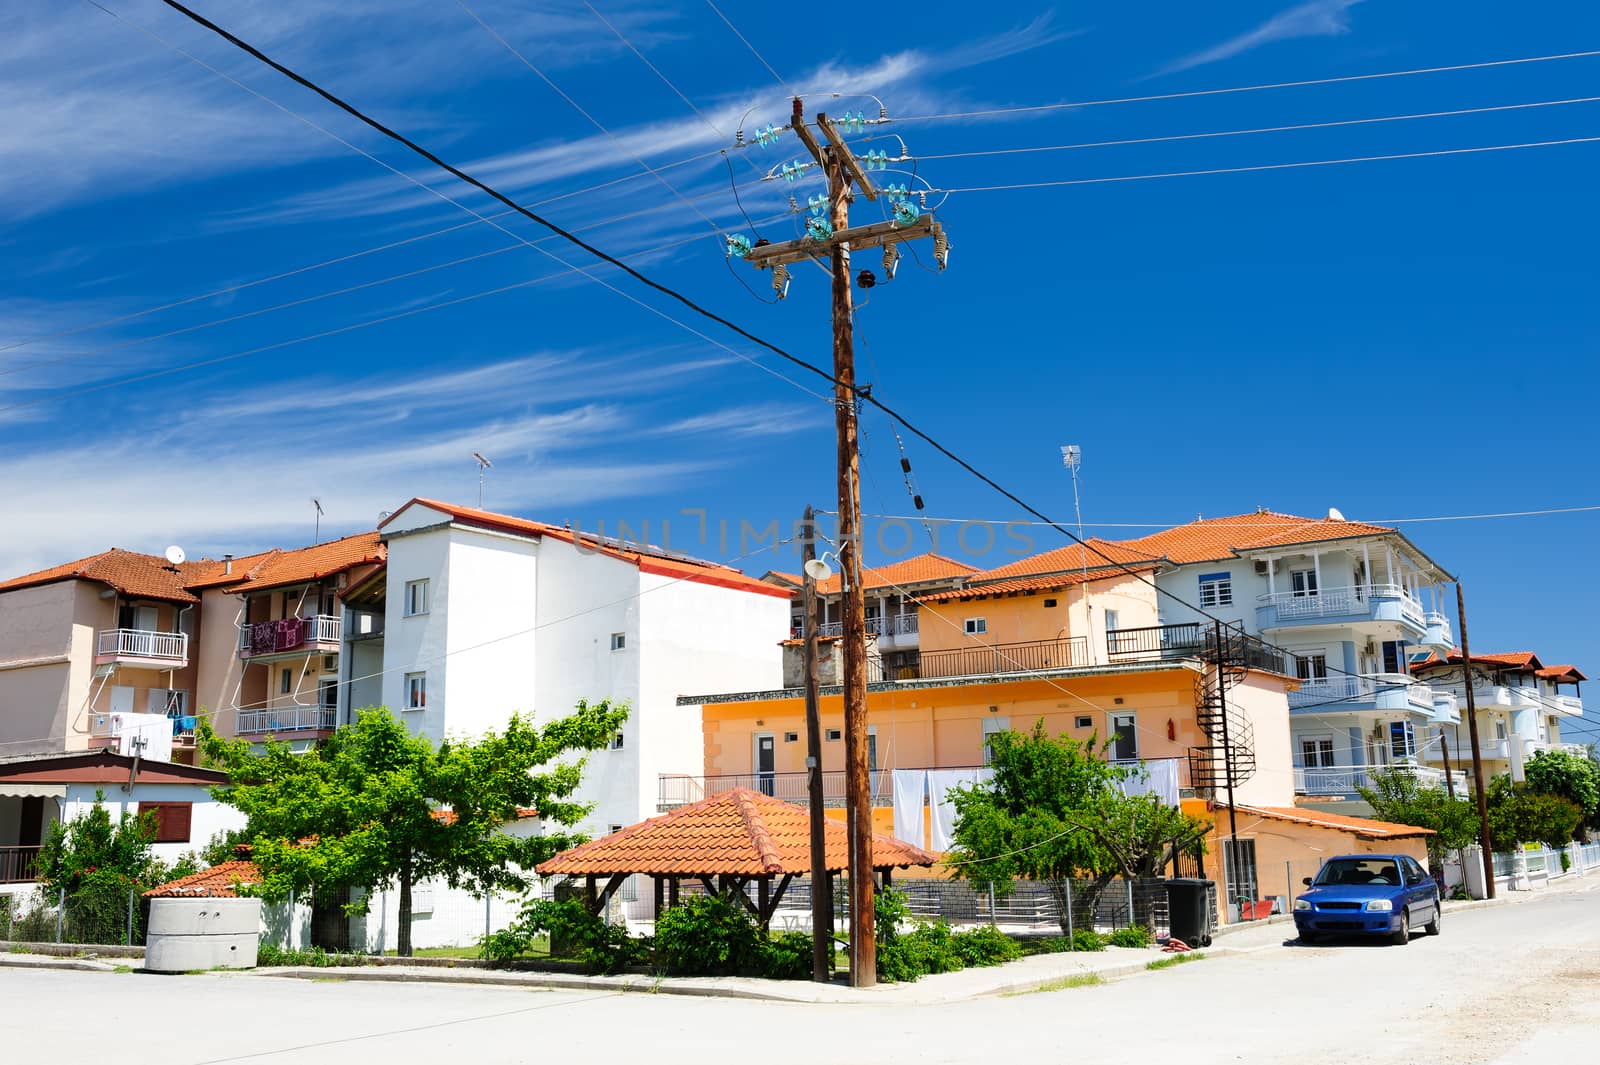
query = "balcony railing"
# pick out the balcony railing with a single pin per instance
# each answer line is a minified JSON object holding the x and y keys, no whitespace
{"x":1544,"y":746}
{"x":1341,"y":602}
{"x":894,"y":625}
{"x":170,"y":647}
{"x":680,"y":789}
{"x":288,"y":634}
{"x":109,"y":726}
{"x":1386,"y":691}
{"x":1483,"y":695}
{"x":1208,"y":642}
{"x":1005,"y":658}
{"x":1344,"y":779}
{"x":286,"y":719}
{"x":19,"y":865}
{"x":1569,"y":704}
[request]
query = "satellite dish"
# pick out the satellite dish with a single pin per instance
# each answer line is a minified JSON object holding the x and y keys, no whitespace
{"x":1334,"y":515}
{"x":818,"y":570}
{"x":175,"y":555}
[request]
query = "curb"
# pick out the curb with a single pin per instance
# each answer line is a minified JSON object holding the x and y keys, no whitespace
{"x":82,"y":965}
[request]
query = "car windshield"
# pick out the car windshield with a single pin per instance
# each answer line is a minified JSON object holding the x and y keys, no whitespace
{"x":1381,"y":871}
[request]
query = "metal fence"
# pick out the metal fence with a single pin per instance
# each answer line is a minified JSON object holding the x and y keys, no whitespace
{"x":107,"y":919}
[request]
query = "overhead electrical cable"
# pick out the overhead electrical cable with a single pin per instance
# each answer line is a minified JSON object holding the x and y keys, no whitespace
{"x":746,"y":42}
{"x":1070,"y":104}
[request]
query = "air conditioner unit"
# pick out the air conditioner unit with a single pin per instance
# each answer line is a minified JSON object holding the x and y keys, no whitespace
{"x":1261,"y":569}
{"x":1371,"y":648}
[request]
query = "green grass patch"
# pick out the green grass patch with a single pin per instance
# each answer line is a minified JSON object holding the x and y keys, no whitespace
{"x":1066,"y":982}
{"x":1174,"y":959}
{"x":123,"y":969}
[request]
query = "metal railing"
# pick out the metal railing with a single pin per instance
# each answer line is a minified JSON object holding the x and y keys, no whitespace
{"x":1227,"y":643}
{"x":1005,"y":658}
{"x":140,"y":643}
{"x":286,"y":719}
{"x":1333,"y":690}
{"x":1569,"y":704}
{"x":676,"y":789}
{"x":1344,"y":779}
{"x":1338,"y":602}
{"x":275,"y":637}
{"x":19,"y":865}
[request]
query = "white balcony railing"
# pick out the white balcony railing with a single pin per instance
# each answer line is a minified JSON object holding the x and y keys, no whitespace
{"x":279,"y":635}
{"x":1341,"y":602}
{"x":1344,"y":779}
{"x":1483,"y":695}
{"x":285,"y":719}
{"x":1569,"y":704}
{"x":138,"y":643}
{"x":1538,"y":746}
{"x":1384,"y":690}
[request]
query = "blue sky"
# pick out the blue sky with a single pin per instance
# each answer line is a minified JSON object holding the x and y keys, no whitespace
{"x":1395,"y":339}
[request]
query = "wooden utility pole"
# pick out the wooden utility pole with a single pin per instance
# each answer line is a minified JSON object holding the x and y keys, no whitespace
{"x":834,"y":238}
{"x":1449,"y":780}
{"x":821,"y":882}
{"x":1477,"y":753}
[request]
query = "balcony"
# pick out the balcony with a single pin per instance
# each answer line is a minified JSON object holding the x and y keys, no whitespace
{"x":894,"y":625}
{"x":1446,"y":708}
{"x":1545,"y":747}
{"x":19,"y":865}
{"x":1484,"y":696}
{"x":109,"y":727}
{"x":140,"y":647}
{"x":1334,"y":606}
{"x":676,"y":789}
{"x":1344,"y":779}
{"x":1378,"y":691}
{"x":1571,"y":705}
{"x":1005,"y":658}
{"x":318,"y":633}
{"x":1194,"y":639}
{"x":286,"y":719}
{"x":1437,"y":634}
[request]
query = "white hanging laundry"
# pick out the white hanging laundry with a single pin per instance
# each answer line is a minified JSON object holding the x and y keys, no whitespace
{"x":940,"y":784}
{"x":910,"y":788}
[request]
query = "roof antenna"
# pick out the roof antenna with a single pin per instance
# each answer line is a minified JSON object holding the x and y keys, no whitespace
{"x":483,"y":464}
{"x":316,"y":530}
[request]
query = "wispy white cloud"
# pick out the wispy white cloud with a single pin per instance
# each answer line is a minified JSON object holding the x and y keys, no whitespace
{"x":1316,"y":18}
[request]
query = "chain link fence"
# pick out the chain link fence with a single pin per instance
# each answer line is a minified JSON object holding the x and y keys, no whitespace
{"x":103,"y":918}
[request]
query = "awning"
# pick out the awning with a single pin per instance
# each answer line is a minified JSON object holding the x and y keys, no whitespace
{"x":25,"y":790}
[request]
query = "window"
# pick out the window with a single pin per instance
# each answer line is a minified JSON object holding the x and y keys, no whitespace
{"x":1303,"y":582}
{"x":1402,"y":740}
{"x":1083,"y":721}
{"x":172,"y":820}
{"x":1216,"y":589}
{"x":832,"y":734}
{"x":327,"y":693}
{"x":1499,"y":730}
{"x":617,"y":742}
{"x":977,"y":626}
{"x":285,"y":681}
{"x":1316,"y":752}
{"x":991,"y":727}
{"x":1394,"y":656}
{"x":1239,"y":868}
{"x":872,"y":748}
{"x":416,"y":597}
{"x":614,"y":829}
{"x":1311,"y":666}
{"x":619,"y":641}
{"x":416,"y":691}
{"x":168,"y":701}
{"x":1111,"y":621}
{"x":791,"y":737}
{"x":1048,"y":603}
{"x":1124,"y":738}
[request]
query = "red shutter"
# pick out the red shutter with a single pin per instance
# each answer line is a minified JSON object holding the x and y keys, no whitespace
{"x":173,"y":820}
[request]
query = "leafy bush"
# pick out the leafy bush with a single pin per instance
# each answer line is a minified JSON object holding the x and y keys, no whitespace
{"x":97,"y":863}
{"x":707,"y":936}
{"x":27,"y":919}
{"x":1087,"y":939}
{"x":985,"y":946}
{"x":1566,"y":861}
{"x":1132,"y":936}
{"x":786,"y":956}
{"x":602,"y":947}
{"x":270,"y":954}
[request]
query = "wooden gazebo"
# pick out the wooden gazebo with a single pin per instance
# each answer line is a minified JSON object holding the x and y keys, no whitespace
{"x":725,"y":842}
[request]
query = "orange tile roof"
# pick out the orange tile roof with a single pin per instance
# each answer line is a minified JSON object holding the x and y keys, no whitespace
{"x":448,"y":817}
{"x":648,"y":559}
{"x":303,"y":564}
{"x":737,"y":833}
{"x":1022,"y":585}
{"x":1363,"y":827}
{"x":918,"y":569}
{"x":218,"y":882}
{"x":129,"y":572}
{"x":214,"y":573}
{"x":1562,"y":672}
{"x":1212,"y":539}
{"x":1524,"y":660}
{"x":1096,"y":553}
{"x":792,"y":580}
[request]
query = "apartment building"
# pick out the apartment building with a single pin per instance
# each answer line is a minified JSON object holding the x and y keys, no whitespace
{"x":474,"y":616}
{"x":1521,"y":706}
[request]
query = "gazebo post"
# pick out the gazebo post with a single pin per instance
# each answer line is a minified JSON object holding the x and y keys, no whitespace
{"x":589,"y":900}
{"x":672,"y":892}
{"x":763,"y":893}
{"x":659,"y":887}
{"x":887,"y":877}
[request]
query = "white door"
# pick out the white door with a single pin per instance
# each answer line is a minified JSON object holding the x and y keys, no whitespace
{"x":1124,"y":738}
{"x":121,"y":700}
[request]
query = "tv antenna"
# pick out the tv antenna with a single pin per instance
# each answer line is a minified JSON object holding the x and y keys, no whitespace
{"x":483,"y":464}
{"x":176,"y":555}
{"x":316,"y":529}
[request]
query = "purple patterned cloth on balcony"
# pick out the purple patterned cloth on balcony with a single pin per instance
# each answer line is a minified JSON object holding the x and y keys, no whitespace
{"x":263,"y":638}
{"x":291,"y":633}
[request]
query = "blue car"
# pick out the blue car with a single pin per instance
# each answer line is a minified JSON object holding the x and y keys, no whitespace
{"x":1368,"y":895}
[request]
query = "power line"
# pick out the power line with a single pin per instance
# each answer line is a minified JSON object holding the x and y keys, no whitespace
{"x":1241,"y":524}
{"x":746,"y":42}
{"x":1249,"y":88}
{"x":1258,"y":130}
{"x":1269,"y":166}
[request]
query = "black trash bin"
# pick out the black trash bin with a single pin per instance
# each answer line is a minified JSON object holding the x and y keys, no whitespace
{"x":1189,"y":910}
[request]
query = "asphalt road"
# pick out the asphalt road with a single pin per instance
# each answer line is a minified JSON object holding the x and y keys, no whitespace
{"x":1517,"y":983}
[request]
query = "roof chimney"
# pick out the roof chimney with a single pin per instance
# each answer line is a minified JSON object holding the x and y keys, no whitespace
{"x":227,"y":565}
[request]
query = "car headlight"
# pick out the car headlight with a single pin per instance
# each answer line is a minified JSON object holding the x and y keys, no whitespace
{"x":1379,"y":906}
{"x":1302,"y":904}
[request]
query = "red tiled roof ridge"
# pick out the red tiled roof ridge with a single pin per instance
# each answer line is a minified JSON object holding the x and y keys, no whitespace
{"x":1361,"y":826}
{"x":766,"y":851}
{"x":219,"y":881}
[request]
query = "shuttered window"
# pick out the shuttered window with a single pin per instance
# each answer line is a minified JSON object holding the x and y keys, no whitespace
{"x":172,"y":820}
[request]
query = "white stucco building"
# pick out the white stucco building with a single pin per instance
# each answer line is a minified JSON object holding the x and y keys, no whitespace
{"x":477,"y":616}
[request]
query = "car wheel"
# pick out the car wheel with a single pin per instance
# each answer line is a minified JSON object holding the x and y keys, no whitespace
{"x":1403,"y":935}
{"x":1432,"y":927}
{"x":1308,"y":938}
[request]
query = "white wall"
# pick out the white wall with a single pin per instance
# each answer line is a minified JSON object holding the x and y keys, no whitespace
{"x":208,"y":817}
{"x":490,"y":595}
{"x":413,"y":644}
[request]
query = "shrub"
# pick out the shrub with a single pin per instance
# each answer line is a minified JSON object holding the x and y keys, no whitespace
{"x":787,"y":956}
{"x":1087,"y":939}
{"x":707,"y":936}
{"x":1566,"y":861}
{"x":270,"y":954}
{"x":984,"y":946}
{"x":602,"y":947}
{"x":1132,"y":936}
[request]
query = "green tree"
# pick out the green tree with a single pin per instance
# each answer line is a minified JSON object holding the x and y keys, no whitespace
{"x":94,"y":862}
{"x":1519,"y":815}
{"x":377,"y":806}
{"x":1055,"y":811}
{"x":1574,"y":777}
{"x":1396,"y":795}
